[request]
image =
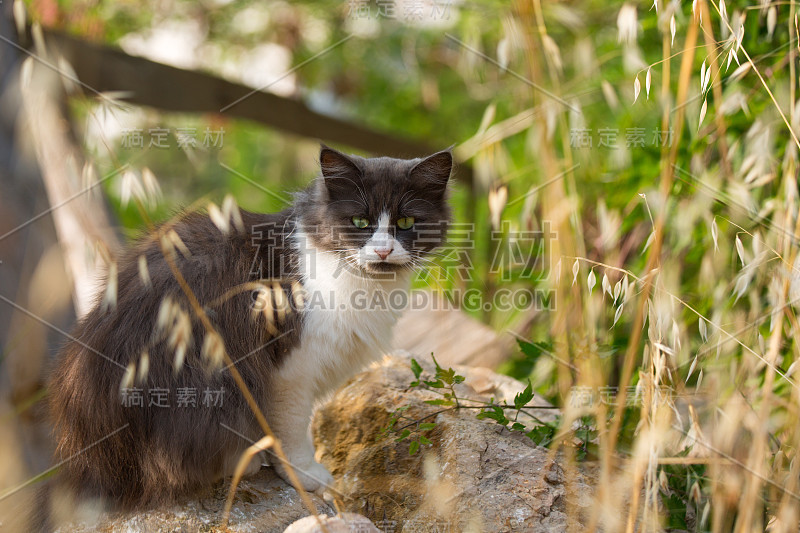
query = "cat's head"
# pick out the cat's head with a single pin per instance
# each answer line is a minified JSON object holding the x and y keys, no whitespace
{"x":378,"y":214}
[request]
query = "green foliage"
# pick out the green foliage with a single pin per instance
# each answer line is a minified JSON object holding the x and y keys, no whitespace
{"x":688,"y":507}
{"x":415,"y":432}
{"x":496,"y":413}
{"x":524,"y":398}
{"x":543,"y":435}
{"x":521,"y":365}
{"x":586,"y":434}
{"x":444,"y":380}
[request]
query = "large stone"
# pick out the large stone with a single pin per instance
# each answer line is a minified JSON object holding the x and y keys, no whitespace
{"x":474,"y":476}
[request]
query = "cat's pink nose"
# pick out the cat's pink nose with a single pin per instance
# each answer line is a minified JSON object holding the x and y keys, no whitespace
{"x":383,"y":253}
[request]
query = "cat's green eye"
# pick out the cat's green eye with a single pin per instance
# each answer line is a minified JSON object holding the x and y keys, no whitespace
{"x":360,"y":222}
{"x":405,"y":222}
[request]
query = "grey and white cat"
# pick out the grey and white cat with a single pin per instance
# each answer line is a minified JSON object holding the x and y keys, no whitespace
{"x":352,"y":238}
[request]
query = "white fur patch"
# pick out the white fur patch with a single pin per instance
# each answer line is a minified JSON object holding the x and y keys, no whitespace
{"x":342,"y":332}
{"x":348,"y":319}
{"x":383,"y":240}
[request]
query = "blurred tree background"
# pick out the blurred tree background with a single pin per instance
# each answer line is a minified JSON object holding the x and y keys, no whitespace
{"x":657,"y":141}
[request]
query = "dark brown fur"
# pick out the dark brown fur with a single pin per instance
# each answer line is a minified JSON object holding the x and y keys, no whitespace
{"x":130,"y":467}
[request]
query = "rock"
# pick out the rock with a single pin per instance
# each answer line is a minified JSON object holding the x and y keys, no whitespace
{"x":263,"y":503}
{"x":346,"y":523}
{"x":474,"y":476}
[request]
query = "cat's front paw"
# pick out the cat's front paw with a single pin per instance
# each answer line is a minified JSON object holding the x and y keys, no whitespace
{"x":312,"y":475}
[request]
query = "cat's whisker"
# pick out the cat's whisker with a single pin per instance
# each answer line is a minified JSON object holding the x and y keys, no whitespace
{"x":348,"y":201}
{"x":420,"y":200}
{"x":428,"y":283}
{"x":357,"y":186}
{"x":423,"y":263}
{"x":441,"y":254}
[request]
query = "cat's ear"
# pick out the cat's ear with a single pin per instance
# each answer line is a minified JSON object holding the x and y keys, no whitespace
{"x":432,"y":173}
{"x":340,"y":173}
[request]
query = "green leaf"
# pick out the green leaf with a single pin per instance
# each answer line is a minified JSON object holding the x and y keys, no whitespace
{"x":424,"y":440}
{"x":533,"y":349}
{"x":495,"y":414}
{"x":581,"y":454}
{"x":585,"y":433}
{"x":403,"y":435}
{"x":426,"y":426}
{"x":449,"y":376}
{"x":434,"y":384}
{"x":541,"y":435}
{"x":522,"y":398}
{"x":415,"y":368}
{"x":448,"y":403}
{"x":412,"y":449}
{"x":518,"y":426}
{"x":435,"y":362}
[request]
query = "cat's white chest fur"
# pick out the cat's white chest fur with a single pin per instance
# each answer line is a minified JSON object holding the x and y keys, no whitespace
{"x":348,"y":319}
